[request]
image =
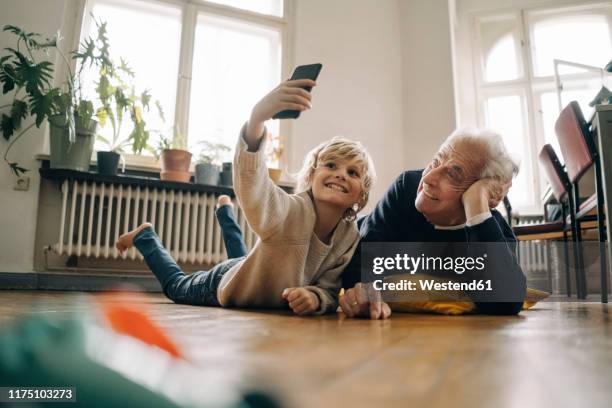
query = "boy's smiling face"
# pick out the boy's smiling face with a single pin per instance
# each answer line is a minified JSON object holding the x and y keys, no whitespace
{"x":338,"y":183}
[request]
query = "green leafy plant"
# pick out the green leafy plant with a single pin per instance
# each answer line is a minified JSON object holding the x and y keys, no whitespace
{"x":212,"y":152}
{"x":116,"y":94}
{"x":178,"y":140}
{"x":28,"y":78}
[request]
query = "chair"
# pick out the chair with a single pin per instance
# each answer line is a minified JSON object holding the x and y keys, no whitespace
{"x":561,"y":187}
{"x":580,"y":153}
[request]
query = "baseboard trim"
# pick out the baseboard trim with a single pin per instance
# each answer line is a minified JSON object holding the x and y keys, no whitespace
{"x":75,"y":282}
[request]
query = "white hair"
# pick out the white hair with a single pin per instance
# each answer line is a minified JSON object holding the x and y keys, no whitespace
{"x":500,"y":163}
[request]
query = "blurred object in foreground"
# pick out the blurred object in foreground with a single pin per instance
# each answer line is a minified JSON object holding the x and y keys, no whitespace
{"x":113,"y":355}
{"x":126,"y":315}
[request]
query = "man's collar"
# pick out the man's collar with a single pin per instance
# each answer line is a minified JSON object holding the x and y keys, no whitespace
{"x":449,"y":227}
{"x":475,"y":220}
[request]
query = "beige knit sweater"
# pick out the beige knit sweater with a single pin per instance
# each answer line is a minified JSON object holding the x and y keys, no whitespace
{"x":288,"y":253}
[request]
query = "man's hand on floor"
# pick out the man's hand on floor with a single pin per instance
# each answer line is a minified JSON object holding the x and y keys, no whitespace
{"x":301,"y":301}
{"x":364,"y":301}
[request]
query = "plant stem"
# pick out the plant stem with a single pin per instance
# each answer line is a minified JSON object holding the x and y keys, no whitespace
{"x":70,"y":77}
{"x":65,"y":61}
{"x":14,"y":140}
{"x":27,"y":48}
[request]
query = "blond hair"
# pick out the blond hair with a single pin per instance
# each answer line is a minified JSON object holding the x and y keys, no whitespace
{"x":339,"y":148}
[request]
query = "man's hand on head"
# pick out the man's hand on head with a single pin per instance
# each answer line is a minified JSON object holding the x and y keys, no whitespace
{"x":484,"y":195}
{"x":363,"y":301}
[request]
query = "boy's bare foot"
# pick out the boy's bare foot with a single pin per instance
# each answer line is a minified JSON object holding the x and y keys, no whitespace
{"x":224,"y":200}
{"x":126,"y":241}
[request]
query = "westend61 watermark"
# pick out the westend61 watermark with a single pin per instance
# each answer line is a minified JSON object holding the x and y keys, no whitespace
{"x":429,"y":271}
{"x":424,"y":284}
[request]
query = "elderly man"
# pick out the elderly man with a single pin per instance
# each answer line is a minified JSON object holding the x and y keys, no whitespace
{"x":451,"y":200}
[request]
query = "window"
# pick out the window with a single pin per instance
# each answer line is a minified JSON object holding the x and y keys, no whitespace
{"x":238,"y":63}
{"x":162,"y":33}
{"x":206,"y":62}
{"x":271,"y":7}
{"x":501,"y":41}
{"x":516,"y":88}
{"x":507,"y":112}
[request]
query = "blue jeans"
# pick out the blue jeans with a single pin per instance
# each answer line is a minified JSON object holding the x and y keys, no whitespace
{"x":198,"y":288}
{"x":232,"y":234}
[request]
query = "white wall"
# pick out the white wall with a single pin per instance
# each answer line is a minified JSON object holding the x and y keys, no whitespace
{"x":359,"y":93}
{"x":18,"y":208}
{"x":429,"y":109}
{"x":386,"y":81}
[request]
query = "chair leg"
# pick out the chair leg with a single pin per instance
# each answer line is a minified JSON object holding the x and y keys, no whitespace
{"x":603,"y":270}
{"x":568,"y":283}
{"x":578,"y":261}
{"x":548,"y":266}
{"x":582,"y":268}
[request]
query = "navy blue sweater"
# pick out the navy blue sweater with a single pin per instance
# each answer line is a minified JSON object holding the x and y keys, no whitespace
{"x":396,"y":219}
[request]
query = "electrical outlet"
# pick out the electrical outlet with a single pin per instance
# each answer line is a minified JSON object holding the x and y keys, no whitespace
{"x":22,"y":183}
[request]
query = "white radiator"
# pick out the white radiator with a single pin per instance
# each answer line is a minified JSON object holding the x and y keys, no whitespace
{"x":93,"y":215}
{"x":533,"y":254}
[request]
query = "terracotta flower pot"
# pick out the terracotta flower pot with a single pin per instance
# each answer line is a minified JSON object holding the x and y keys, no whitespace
{"x":182,"y":176}
{"x":175,"y":165}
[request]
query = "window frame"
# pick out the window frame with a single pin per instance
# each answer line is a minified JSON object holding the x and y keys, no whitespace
{"x":528,"y":85}
{"x":190,"y":10}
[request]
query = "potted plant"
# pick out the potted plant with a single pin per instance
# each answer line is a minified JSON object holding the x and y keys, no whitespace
{"x":207,"y":168}
{"x":174,"y":157}
{"x":274,"y":150}
{"x":33,"y":95}
{"x":117,"y":98}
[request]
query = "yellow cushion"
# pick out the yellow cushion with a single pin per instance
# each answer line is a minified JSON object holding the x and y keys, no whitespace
{"x":459,"y":307}
{"x":454,"y":303}
{"x":532,"y":297}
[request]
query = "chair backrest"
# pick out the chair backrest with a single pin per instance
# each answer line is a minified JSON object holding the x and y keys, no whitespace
{"x":555,"y":174}
{"x":575,"y":141}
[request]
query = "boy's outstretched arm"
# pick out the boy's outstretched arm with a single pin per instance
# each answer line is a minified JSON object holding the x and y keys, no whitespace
{"x":289,"y":95}
{"x":265,"y":205}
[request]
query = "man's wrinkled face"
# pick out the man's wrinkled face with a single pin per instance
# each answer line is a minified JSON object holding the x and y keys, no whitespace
{"x":453,"y":170}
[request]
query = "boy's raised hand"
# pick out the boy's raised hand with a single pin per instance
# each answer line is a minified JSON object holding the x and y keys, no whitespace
{"x":301,"y":301}
{"x":288,"y":95}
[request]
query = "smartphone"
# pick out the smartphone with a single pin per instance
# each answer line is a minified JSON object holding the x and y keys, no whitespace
{"x":310,"y":71}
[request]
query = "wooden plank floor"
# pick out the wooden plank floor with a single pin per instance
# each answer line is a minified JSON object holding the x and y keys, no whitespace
{"x":558,"y":354}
